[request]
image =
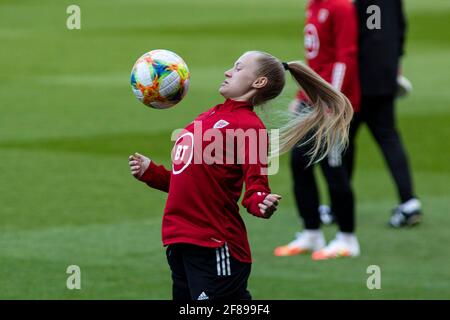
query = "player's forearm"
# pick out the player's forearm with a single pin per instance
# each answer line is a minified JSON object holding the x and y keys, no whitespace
{"x":251,"y":203}
{"x":338,"y":75}
{"x":157,"y":177}
{"x":346,"y":48}
{"x":257,"y":188}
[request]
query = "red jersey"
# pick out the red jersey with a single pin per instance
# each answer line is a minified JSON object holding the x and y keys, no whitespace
{"x":202,"y":203}
{"x":331,"y":45}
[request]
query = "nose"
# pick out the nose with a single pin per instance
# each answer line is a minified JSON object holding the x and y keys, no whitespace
{"x":228,"y":73}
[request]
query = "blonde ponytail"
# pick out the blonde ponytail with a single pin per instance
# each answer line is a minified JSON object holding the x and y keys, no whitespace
{"x":324,"y":123}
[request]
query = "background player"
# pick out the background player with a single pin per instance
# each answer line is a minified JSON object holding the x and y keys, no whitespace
{"x":331,"y":50}
{"x":379,"y":54}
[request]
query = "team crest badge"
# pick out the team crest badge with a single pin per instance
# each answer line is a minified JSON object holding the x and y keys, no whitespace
{"x":221,"y":124}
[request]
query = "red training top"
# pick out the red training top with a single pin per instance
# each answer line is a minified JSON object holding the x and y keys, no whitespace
{"x":202,"y":204}
{"x":331,"y":45}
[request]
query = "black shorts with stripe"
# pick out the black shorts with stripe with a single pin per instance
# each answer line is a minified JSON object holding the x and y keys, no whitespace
{"x":201,"y":273}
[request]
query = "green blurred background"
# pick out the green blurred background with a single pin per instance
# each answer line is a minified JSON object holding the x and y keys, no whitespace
{"x":68,"y":121}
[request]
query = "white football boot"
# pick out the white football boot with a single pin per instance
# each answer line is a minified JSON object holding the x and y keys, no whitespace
{"x":306,"y":241}
{"x":344,"y":245}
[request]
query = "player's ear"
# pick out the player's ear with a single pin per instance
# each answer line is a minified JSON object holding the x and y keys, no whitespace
{"x":260,"y":82}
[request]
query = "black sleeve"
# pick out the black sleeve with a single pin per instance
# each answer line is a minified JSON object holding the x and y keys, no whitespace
{"x":402,"y":27}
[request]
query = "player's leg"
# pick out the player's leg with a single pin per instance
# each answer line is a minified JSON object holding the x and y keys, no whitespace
{"x":307,"y":200}
{"x":382,"y":124}
{"x":305,"y":188}
{"x":341,"y":193}
{"x":342,"y":204}
{"x":350,"y":153}
{"x":180,"y":289}
{"x":213,"y":274}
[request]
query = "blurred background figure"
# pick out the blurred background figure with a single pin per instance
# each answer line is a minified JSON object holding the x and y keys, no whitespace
{"x":331,"y":42}
{"x":382,"y":29}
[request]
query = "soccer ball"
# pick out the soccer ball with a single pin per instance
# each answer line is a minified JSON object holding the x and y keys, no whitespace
{"x":160,"y":79}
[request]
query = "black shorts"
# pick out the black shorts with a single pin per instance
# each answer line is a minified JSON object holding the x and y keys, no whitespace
{"x":201,"y":273}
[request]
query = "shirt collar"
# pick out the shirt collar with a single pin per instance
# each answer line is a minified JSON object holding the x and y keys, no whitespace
{"x":230,"y":104}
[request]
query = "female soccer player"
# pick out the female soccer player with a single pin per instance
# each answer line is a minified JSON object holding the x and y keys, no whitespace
{"x":331,"y":43}
{"x":207,"y":246}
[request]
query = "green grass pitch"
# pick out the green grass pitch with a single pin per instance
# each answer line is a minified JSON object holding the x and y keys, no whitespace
{"x":68,"y":121}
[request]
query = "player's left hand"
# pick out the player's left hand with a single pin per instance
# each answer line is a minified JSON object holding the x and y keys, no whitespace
{"x":269,"y":205}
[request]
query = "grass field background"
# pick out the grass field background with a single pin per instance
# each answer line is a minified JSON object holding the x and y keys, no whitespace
{"x":68,"y":121}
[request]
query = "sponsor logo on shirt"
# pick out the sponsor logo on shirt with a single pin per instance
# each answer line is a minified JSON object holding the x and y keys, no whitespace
{"x":182,"y":152}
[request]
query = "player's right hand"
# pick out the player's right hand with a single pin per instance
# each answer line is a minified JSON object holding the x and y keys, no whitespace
{"x":138,"y":164}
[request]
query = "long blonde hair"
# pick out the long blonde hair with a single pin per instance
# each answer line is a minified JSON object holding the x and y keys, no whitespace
{"x":325,"y":122}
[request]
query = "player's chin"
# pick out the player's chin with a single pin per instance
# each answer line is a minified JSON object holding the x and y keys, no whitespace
{"x":223,"y":91}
